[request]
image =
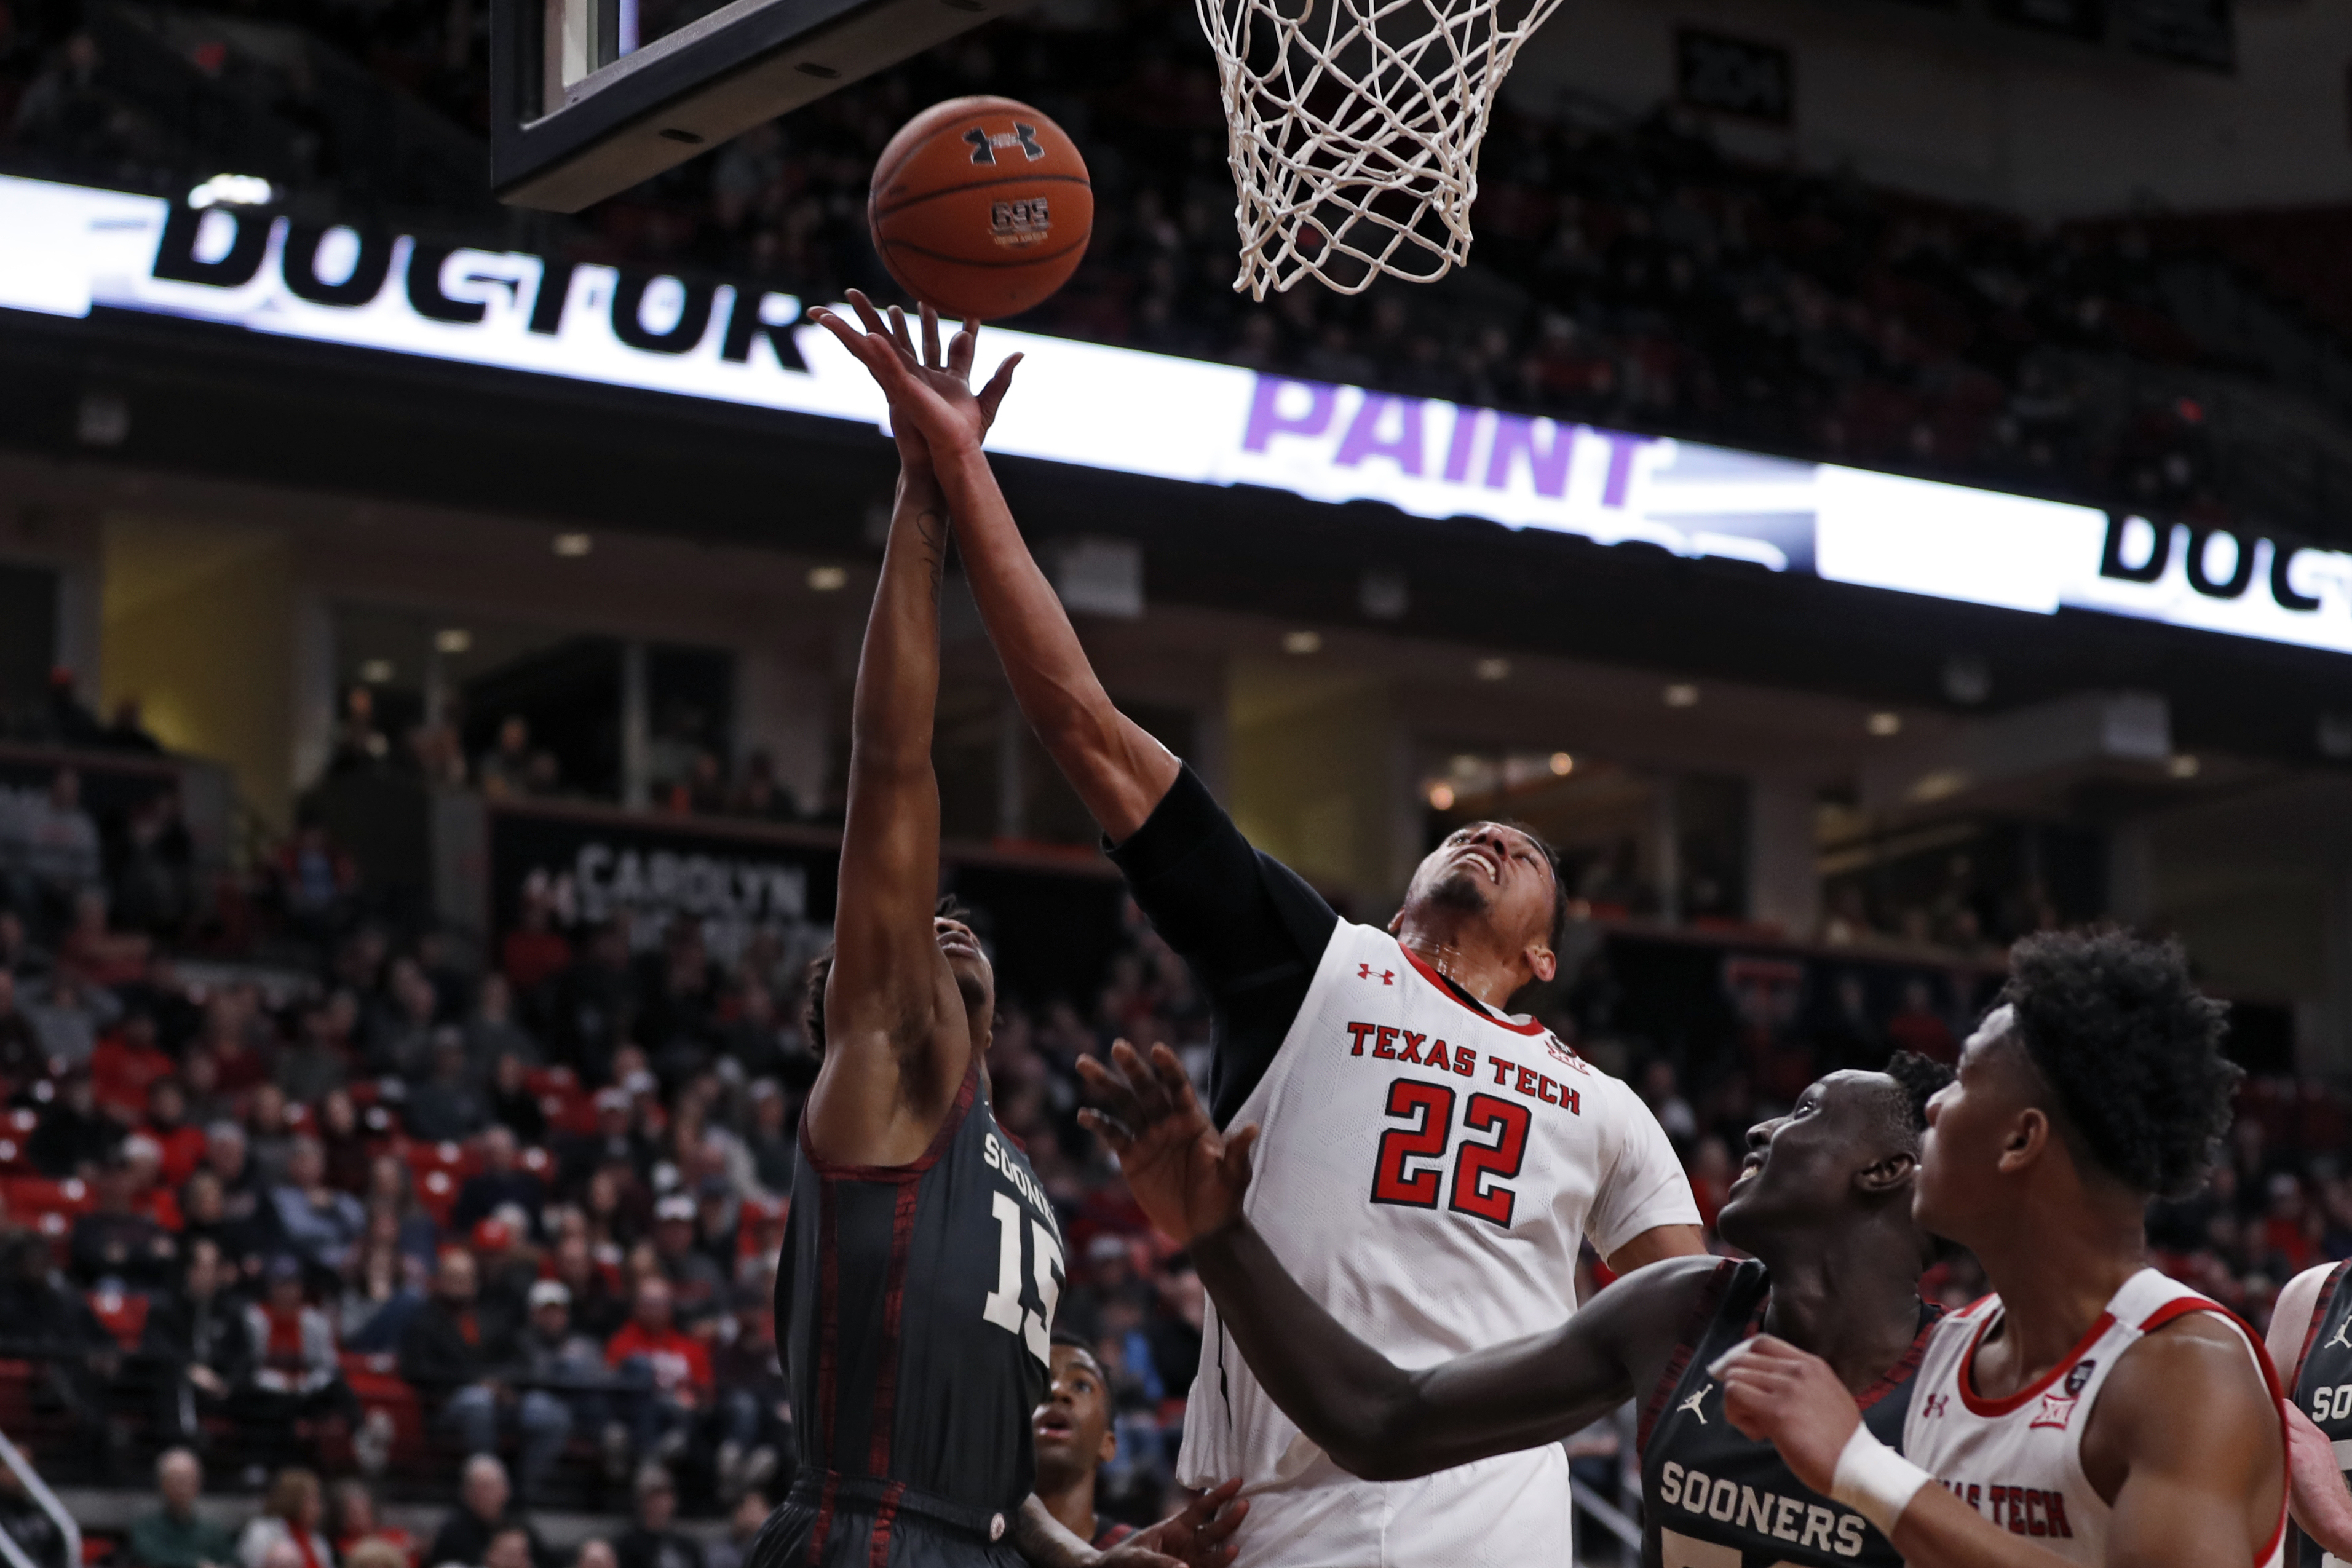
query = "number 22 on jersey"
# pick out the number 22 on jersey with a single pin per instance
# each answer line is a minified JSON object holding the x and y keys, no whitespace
{"x":1003,"y":1305}
{"x":1481,"y":1165}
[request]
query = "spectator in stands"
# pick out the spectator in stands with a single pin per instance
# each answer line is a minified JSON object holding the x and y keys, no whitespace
{"x":593,"y":1002}
{"x":492,"y":1031}
{"x":753,"y":1398}
{"x":401,"y":1036}
{"x":667,"y":1374}
{"x":596,"y":1309}
{"x":228,"y":1159}
{"x":501,"y":1180}
{"x":378,"y":1297}
{"x":759,"y":795}
{"x":61,"y":848}
{"x":314,"y":1064}
{"x":351,"y":1523}
{"x":177,"y":1535}
{"x":511,"y":1102}
{"x":568,"y":1364}
{"x":349,"y":1148}
{"x":297,"y":1374}
{"x":290,"y":1515}
{"x":199,"y":1345}
{"x":270,"y":1134}
{"x":453,"y":1351}
{"x":99,"y":957}
{"x":697,"y":1285}
{"x":116,"y":1243}
{"x":125,"y":1063}
{"x":73,"y":1135}
{"x":21,"y":1059}
{"x":318,"y":1223}
{"x":204,"y":1213}
{"x":376,"y":1552}
{"x":744,"y":1522}
{"x":181,"y":1143}
{"x":595,"y":1552}
{"x":509,"y":1548}
{"x":504,"y":770}
{"x":772,"y":1138}
{"x":616,"y":1140}
{"x":483,"y":1510}
{"x":534,"y":952}
{"x":392,"y":1190}
{"x":654,"y":1540}
{"x":68,"y":1015}
{"x":446,"y":1108}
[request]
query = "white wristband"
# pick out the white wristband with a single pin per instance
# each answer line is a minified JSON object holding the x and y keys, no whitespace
{"x":1874,"y":1480}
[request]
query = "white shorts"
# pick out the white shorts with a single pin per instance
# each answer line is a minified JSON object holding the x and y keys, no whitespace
{"x":1510,"y":1511}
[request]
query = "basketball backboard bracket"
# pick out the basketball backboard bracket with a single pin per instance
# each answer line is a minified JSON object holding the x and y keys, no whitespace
{"x":575,"y":119}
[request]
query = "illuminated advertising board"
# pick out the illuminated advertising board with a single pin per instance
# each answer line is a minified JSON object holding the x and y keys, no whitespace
{"x":67,"y":251}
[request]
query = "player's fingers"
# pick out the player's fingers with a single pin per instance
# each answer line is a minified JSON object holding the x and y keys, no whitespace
{"x":1106,"y":1127}
{"x":1224,"y":1515}
{"x":992,"y":395}
{"x":865,"y":310}
{"x":1237,"y":1157}
{"x":1150,"y":1097}
{"x":1170,"y":1071}
{"x":1106,"y":1081}
{"x":962,"y":347}
{"x":931,"y":359}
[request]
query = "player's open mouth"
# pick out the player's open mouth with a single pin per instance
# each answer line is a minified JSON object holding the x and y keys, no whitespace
{"x":1747,"y":1168}
{"x":1055,"y":1429}
{"x":1486,"y":857}
{"x":955,"y":944}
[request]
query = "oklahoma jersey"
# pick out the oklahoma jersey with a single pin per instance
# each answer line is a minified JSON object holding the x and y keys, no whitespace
{"x":1427,"y":1172}
{"x":2321,"y":1381}
{"x":2018,"y":1460}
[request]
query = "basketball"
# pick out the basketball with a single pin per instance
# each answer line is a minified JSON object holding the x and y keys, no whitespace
{"x":980,"y":208}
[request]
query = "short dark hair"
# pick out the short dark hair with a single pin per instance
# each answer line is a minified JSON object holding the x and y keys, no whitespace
{"x":2132,"y":1051}
{"x":1559,"y":932}
{"x":1066,"y":1339}
{"x":820,"y":970}
{"x":1917,"y":1077}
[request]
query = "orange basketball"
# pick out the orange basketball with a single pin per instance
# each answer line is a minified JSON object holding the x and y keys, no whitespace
{"x":980,"y":208}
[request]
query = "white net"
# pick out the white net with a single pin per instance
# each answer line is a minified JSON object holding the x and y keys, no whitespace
{"x":1355,"y":127}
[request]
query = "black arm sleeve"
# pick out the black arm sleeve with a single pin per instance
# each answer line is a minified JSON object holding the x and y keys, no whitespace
{"x":1250,"y":927}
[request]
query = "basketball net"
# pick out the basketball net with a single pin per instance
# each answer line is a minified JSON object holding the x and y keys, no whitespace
{"x":1355,"y":127}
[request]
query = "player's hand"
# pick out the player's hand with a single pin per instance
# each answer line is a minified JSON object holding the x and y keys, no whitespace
{"x":1777,"y":1393}
{"x":932,"y":404}
{"x":1198,"y":1534}
{"x":1188,"y":1176}
{"x":2321,"y":1505}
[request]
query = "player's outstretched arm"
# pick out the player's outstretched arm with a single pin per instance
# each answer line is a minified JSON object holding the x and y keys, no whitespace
{"x":1113,"y":763}
{"x":897,"y":1041}
{"x":1373,"y":1417}
{"x":2187,"y":1493}
{"x":1198,"y":1535}
{"x":2315,"y":1490}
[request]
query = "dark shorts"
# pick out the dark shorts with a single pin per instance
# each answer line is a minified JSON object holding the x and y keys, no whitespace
{"x":849,"y":1527}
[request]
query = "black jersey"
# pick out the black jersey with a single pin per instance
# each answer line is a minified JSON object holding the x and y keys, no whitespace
{"x":914,"y":1305}
{"x":2322,"y":1386}
{"x":1706,"y":1489}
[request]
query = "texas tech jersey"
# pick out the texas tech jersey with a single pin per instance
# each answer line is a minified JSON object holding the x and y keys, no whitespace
{"x":914,"y":1306}
{"x":2322,"y":1387}
{"x":2018,"y":1460}
{"x":1713,"y":1499}
{"x":1427,"y":1172}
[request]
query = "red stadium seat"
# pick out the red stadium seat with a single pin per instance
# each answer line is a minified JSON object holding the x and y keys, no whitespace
{"x":124,"y":1313}
{"x":376,"y":1380}
{"x":436,"y":1190}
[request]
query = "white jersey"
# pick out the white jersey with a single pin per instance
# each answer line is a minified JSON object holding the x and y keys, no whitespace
{"x":1427,"y":1172}
{"x":2018,"y":1460}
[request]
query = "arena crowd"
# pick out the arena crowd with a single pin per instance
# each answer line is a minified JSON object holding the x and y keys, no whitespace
{"x":343,"y":1215}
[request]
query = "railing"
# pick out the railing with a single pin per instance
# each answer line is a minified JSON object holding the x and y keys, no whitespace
{"x":1611,"y":1518}
{"x":39,"y":1490}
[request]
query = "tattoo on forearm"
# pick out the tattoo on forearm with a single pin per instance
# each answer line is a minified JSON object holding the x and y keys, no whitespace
{"x":931,"y":528}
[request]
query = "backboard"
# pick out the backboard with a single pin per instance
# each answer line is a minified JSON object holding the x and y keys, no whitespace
{"x":591,"y":97}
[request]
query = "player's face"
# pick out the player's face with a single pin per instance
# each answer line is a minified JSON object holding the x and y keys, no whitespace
{"x":975,"y":978}
{"x":1072,"y":1427}
{"x":1492,"y":869}
{"x":1800,"y":1166}
{"x":1969,"y":1122}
